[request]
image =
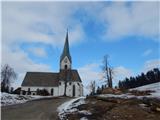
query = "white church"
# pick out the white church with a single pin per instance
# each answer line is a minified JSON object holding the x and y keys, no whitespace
{"x":66,"y":82}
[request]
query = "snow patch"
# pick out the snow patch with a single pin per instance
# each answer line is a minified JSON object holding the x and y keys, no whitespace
{"x":85,"y":112}
{"x":69,"y":107}
{"x":11,"y":99}
{"x":152,"y":87}
{"x":124,"y":96}
{"x":155,"y":87}
{"x":83,"y":118}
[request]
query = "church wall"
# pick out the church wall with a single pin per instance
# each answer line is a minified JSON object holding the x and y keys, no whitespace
{"x":55,"y":89}
{"x":69,"y":89}
{"x":77,"y":89}
{"x":61,"y":88}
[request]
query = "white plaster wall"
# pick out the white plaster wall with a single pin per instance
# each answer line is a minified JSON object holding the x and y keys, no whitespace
{"x":62,"y":64}
{"x":78,"y":89}
{"x":55,"y":89}
{"x":69,"y":89}
{"x":59,"y":91}
{"x":61,"y":88}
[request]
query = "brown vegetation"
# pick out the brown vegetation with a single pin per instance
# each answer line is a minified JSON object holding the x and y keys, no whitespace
{"x":119,"y":109}
{"x":111,"y":91}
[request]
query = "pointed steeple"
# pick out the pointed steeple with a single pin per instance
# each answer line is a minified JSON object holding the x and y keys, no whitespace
{"x":66,"y":49}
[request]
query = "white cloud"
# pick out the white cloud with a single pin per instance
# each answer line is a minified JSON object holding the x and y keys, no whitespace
{"x":40,"y":52}
{"x":19,"y":60}
{"x":150,"y":64}
{"x":138,"y":18}
{"x":35,"y":22}
{"x":44,"y":22}
{"x":120,"y":73}
{"x":89,"y":73}
{"x":147,"y":52}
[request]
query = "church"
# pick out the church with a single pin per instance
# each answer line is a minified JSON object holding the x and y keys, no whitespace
{"x":66,"y":82}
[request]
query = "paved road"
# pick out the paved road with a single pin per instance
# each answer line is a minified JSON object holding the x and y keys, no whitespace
{"x":34,"y":110}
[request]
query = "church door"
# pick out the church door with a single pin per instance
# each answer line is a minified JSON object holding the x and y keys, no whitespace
{"x":74,"y":90}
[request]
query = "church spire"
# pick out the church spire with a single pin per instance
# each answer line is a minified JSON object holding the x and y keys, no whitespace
{"x":66,"y":49}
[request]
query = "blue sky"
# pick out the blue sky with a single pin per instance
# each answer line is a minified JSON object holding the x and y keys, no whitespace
{"x":33,"y":35}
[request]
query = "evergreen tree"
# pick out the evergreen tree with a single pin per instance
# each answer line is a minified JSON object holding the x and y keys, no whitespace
{"x":151,"y":76}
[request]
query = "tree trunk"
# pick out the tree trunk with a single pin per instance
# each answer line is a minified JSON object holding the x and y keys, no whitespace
{"x":110,"y":78}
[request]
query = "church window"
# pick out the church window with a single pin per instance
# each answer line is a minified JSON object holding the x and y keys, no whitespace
{"x":52,"y":91}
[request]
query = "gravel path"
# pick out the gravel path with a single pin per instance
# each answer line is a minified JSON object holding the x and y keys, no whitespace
{"x":44,"y":109}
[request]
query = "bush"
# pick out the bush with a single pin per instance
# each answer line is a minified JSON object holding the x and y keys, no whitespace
{"x":43,"y":92}
{"x":17,"y":91}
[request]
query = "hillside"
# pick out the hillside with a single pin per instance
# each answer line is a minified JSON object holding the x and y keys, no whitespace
{"x":124,"y":106}
{"x":154,"y":88}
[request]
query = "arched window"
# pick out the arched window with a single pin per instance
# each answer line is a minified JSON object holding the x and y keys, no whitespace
{"x":52,"y":91}
{"x":74,"y":90}
{"x":65,"y":67}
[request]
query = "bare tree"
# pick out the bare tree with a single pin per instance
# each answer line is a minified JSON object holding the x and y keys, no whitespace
{"x":108,"y":72}
{"x":92,"y":87}
{"x":7,"y":76}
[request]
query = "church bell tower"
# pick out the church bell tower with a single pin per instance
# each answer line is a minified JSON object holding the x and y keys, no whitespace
{"x":65,"y":59}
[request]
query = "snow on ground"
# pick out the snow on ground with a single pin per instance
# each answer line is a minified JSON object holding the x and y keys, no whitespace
{"x":155,"y":88}
{"x":83,"y":118}
{"x":124,"y":96}
{"x":69,"y":107}
{"x":85,"y":112}
{"x":11,"y":99}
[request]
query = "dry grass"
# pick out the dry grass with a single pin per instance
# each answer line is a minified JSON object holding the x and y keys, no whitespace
{"x":117,"y":109}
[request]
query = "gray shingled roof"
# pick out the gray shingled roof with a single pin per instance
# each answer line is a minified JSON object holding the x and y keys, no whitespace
{"x":40,"y":79}
{"x":45,"y":79}
{"x":72,"y":75}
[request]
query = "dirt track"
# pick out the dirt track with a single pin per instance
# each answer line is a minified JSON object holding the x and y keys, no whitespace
{"x":34,"y":110}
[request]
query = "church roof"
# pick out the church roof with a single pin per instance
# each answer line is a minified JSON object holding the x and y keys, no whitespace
{"x":40,"y":79}
{"x":66,"y":50}
{"x":44,"y":79}
{"x":70,"y":75}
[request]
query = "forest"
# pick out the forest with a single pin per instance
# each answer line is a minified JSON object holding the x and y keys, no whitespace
{"x":151,"y":76}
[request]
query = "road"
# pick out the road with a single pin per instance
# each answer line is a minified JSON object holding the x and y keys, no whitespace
{"x":44,"y":109}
